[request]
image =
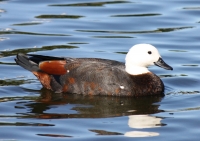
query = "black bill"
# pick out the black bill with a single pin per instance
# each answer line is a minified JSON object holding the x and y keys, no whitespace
{"x":162,"y":64}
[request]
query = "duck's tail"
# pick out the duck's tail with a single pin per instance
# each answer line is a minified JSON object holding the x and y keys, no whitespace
{"x":26,"y":63}
{"x":33,"y":63}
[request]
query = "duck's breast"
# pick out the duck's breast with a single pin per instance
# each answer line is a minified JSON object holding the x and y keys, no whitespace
{"x":146,"y":84}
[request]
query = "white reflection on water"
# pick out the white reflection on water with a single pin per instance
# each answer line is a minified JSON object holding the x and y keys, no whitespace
{"x":141,"y":122}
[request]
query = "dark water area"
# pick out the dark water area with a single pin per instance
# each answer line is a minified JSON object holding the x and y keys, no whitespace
{"x":100,"y":29}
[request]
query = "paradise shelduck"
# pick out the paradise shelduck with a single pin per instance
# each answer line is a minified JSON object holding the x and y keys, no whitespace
{"x":94,"y":76}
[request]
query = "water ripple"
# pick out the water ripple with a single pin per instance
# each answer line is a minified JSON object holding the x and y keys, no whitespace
{"x":92,"y":3}
{"x":54,"y":135}
{"x":35,"y":49}
{"x":192,"y":8}
{"x":137,"y":15}
{"x":29,"y":33}
{"x":139,"y":32}
{"x":59,"y":16}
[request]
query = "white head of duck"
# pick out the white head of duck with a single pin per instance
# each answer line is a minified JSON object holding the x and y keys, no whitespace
{"x":141,"y":56}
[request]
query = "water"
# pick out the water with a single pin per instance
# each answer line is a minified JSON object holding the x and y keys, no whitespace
{"x":104,"y":29}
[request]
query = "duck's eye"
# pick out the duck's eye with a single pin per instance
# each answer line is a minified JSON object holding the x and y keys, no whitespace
{"x":149,"y":52}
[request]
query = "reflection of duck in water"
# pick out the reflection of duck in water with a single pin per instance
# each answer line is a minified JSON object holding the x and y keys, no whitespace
{"x":142,"y":122}
{"x":48,"y":105}
{"x":92,"y":76}
{"x":97,"y":110}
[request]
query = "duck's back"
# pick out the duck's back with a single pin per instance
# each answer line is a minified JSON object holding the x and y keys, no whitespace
{"x":96,"y":77}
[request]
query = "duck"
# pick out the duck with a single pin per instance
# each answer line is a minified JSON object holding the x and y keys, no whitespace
{"x":96,"y":76}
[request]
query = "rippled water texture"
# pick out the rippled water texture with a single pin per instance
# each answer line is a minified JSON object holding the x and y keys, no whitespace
{"x":103,"y":29}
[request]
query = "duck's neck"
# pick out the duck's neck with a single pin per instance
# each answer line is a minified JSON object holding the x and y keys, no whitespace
{"x":135,"y":70}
